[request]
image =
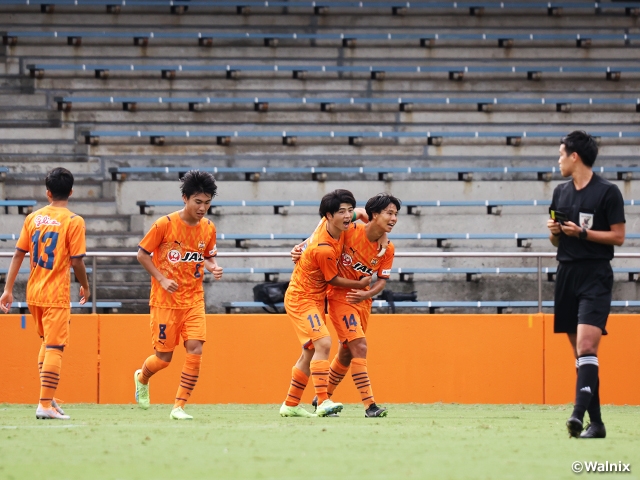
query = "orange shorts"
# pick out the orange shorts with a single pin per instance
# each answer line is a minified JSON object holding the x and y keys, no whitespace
{"x":52,"y":324}
{"x":349,"y":319}
{"x":308,"y":320}
{"x":169,"y":324}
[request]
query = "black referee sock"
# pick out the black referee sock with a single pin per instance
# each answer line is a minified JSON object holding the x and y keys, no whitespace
{"x":586,"y":385}
{"x":594,"y":407}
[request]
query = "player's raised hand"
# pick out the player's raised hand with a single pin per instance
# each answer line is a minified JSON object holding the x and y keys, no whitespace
{"x":356,"y":296}
{"x":84,"y":295}
{"x":216,"y":271}
{"x":383,"y":242}
{"x":169,"y":285}
{"x":296,"y":253}
{"x":5,"y":301}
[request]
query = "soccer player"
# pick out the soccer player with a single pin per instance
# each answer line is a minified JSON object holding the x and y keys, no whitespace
{"x":304,"y":302}
{"x":54,"y":237}
{"x":588,"y":221}
{"x":183,"y":244}
{"x":349,"y":310}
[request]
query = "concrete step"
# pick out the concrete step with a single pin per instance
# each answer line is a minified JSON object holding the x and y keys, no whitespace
{"x":358,"y":155}
{"x":10,"y":135}
{"x":107,"y":223}
{"x":18,"y":168}
{"x":312,"y":85}
{"x":109,"y":240}
{"x":83,"y":190}
{"x":23,"y":101}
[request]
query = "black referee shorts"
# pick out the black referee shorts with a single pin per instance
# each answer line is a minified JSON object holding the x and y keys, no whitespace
{"x":583,"y":295}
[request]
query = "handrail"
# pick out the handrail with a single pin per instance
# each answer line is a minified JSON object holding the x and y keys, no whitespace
{"x":537,"y":255}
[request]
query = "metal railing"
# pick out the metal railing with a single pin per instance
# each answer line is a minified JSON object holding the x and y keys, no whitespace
{"x":537,"y":255}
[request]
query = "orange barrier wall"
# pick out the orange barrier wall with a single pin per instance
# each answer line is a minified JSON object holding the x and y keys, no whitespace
{"x":618,"y":356}
{"x":412,"y":358}
{"x":19,"y":375}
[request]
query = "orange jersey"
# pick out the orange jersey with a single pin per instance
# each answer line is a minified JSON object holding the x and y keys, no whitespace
{"x":52,"y":236}
{"x":360,"y":258}
{"x":317,"y":266}
{"x":178,"y":253}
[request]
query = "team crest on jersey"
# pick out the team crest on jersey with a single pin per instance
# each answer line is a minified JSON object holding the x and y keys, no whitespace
{"x":45,"y":220}
{"x":374,"y":262}
{"x":201,"y":245}
{"x":586,"y":220}
{"x":359,"y":267}
{"x":346,"y":259}
{"x":173,"y":256}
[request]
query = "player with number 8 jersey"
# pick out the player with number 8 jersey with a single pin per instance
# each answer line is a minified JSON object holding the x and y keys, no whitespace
{"x":176,"y":251}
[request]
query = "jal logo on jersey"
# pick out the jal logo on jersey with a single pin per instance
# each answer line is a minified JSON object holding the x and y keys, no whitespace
{"x":346,"y":259}
{"x":45,"y":220}
{"x":359,"y":267}
{"x":174,"y":256}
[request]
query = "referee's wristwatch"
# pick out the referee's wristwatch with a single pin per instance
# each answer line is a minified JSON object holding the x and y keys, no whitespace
{"x":583,"y":234}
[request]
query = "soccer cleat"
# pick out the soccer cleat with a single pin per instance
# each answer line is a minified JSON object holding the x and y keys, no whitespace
{"x":375,"y":411}
{"x":594,"y":430}
{"x":297,"y":411}
{"x":51,"y":413}
{"x":574,"y":425}
{"x":328,"y":407}
{"x":179,"y":414}
{"x":55,"y":405}
{"x":142,"y":391}
{"x":314,"y":404}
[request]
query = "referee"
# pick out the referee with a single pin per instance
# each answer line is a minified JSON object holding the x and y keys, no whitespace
{"x":589,"y":221}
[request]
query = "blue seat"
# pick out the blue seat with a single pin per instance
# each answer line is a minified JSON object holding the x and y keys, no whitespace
{"x":288,"y":137}
{"x":106,"y":307}
{"x":411,"y":205}
{"x":501,"y":306}
{"x":319,"y":173}
{"x":24,"y":206}
{"x":396,"y":8}
{"x":344,"y":38}
{"x":376,"y":72}
{"x":404,"y":103}
{"x":442,"y":239}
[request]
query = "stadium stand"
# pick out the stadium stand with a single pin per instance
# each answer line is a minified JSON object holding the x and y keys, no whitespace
{"x":483,"y":69}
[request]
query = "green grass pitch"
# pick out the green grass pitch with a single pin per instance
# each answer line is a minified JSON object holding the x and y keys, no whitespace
{"x":436,"y":441}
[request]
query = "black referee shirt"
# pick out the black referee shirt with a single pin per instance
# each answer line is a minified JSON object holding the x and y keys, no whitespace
{"x":595,"y":207}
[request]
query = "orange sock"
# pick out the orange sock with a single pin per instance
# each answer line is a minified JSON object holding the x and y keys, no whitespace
{"x":50,"y":375}
{"x":361,"y":379}
{"x":43,"y":348}
{"x":337,"y":371}
{"x":150,"y":367}
{"x":299,"y":382}
{"x":188,"y":378}
{"x":320,"y":376}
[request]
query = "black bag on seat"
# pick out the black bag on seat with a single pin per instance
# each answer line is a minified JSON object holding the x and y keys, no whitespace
{"x":392,"y":297}
{"x":270,"y":293}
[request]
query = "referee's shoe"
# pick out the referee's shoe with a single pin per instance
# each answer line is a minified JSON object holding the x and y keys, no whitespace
{"x":574,"y":425}
{"x":594,"y":430}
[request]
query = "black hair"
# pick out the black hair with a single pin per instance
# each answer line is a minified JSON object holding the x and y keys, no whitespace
{"x":331,"y":202}
{"x":59,"y":182}
{"x":583,"y":144}
{"x":195,"y":182}
{"x":378,"y":203}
